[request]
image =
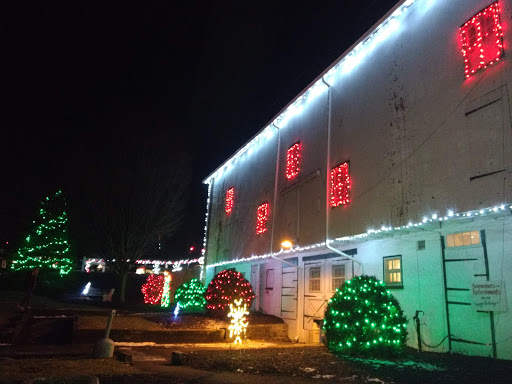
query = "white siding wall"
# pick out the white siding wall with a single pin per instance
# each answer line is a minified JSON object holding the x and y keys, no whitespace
{"x":416,"y":133}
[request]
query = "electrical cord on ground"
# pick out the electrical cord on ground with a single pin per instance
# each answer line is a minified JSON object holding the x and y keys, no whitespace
{"x":430,"y":346}
{"x":444,"y":338}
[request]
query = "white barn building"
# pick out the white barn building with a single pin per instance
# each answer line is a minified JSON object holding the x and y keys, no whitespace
{"x":395,"y":162}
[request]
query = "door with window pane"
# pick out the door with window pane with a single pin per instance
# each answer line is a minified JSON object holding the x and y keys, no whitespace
{"x":322,"y":278}
{"x":314,"y":295}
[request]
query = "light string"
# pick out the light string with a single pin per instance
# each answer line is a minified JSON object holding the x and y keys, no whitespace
{"x":340,"y":185}
{"x":239,"y":322}
{"x":262,"y":218}
{"x":481,"y":39}
{"x":48,"y":247}
{"x":230,"y":194}
{"x":344,"y":65}
{"x":153,"y":289}
{"x":190,"y":295}
{"x":363,"y":315}
{"x":166,"y":293}
{"x":293,"y":161}
{"x":450,"y":215}
{"x":226,"y":286}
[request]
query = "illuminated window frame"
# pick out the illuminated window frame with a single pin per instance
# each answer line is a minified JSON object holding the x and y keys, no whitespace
{"x":340,"y":185}
{"x":462,"y":239}
{"x":482,"y":41}
{"x":293,"y":161}
{"x":230,"y":195}
{"x":393,"y":276}
{"x":262,"y":217}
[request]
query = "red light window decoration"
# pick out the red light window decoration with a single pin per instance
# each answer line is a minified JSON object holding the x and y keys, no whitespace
{"x":230,"y":195}
{"x":261,"y":223}
{"x":340,"y":185}
{"x":481,"y":38}
{"x":292,"y":161}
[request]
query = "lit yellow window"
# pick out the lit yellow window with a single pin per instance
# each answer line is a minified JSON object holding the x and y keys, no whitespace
{"x":463,"y":239}
{"x":393,"y":271}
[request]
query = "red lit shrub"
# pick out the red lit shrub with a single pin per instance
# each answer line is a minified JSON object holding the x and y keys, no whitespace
{"x":225,"y":287}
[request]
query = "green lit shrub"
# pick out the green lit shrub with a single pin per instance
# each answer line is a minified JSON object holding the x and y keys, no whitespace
{"x":190,"y":295}
{"x":363,"y":318}
{"x":227,"y":286}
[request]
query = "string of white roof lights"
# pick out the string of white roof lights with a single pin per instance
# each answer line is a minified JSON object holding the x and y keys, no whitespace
{"x":450,"y":215}
{"x":345,"y":65}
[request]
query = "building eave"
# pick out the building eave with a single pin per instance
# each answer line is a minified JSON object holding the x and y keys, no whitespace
{"x":394,"y":12}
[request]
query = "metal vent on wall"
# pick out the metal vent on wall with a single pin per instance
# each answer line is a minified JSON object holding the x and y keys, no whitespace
{"x":421,"y":245}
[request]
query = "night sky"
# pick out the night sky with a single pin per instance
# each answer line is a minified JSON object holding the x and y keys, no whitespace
{"x":81,"y":78}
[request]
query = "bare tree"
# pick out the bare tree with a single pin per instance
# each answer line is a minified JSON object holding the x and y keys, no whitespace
{"x":140,"y":201}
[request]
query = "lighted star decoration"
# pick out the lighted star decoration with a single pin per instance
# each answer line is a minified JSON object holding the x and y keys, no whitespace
{"x":239,"y":322}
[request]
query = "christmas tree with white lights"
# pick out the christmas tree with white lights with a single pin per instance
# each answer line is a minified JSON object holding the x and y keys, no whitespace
{"x":47,"y":246}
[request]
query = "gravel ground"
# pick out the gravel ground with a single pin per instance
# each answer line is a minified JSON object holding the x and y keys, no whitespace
{"x":319,"y":364}
{"x":310,"y":363}
{"x":16,"y":370}
{"x":315,"y":364}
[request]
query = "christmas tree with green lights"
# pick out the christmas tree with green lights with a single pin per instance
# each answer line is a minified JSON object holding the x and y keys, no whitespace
{"x":364,"y":318}
{"x":47,"y":246}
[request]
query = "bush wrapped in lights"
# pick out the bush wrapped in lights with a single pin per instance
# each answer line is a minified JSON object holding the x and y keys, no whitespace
{"x":153,"y":289}
{"x":363,"y":318}
{"x":190,"y":295}
{"x":227,"y":286}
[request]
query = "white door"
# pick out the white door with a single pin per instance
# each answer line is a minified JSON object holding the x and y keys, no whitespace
{"x":314,"y":295}
{"x":255,"y":282}
{"x":465,"y":261}
{"x":321,"y":279}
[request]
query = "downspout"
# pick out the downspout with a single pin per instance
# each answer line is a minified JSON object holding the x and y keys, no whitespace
{"x":327,"y":183}
{"x":276,"y":179}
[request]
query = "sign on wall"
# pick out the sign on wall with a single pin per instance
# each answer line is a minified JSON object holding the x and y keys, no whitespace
{"x":489,"y":296}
